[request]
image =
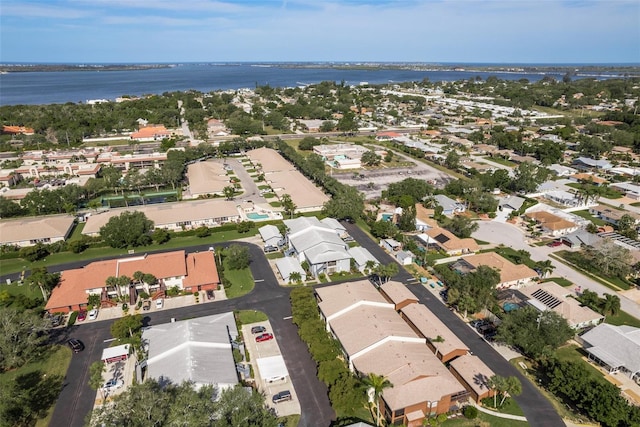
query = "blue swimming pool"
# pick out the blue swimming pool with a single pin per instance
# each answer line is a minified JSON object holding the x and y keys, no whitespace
{"x":510,"y":306}
{"x":253,"y":215}
{"x":387,"y":217}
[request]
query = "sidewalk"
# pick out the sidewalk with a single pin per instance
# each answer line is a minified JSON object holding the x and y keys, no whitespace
{"x":498,"y":414}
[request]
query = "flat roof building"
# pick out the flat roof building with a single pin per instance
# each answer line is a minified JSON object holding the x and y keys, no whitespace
{"x":30,"y":231}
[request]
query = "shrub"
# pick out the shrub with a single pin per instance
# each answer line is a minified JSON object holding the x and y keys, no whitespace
{"x":470,"y":412}
{"x":203,"y":231}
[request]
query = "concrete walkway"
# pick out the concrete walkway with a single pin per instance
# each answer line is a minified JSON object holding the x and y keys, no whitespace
{"x":498,"y":414}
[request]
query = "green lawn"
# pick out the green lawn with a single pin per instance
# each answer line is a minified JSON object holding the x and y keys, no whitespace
{"x":607,"y":192}
{"x":560,"y":281}
{"x":622,"y":318}
{"x":55,"y":362}
{"x":512,"y":255}
{"x":77,"y":231}
{"x":246,"y":317}
{"x":510,"y":406}
{"x":586,"y":215}
{"x":241,"y":281}
{"x":574,"y":353}
{"x":571,"y":259}
{"x":501,"y":161}
{"x":483,"y":420}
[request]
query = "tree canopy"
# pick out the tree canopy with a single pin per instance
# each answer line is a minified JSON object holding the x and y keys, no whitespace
{"x":129,"y":229}
{"x":22,"y":337}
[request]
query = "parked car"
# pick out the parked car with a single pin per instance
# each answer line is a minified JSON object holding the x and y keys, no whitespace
{"x":283,"y":396}
{"x":264,"y":337}
{"x":210,"y":294}
{"x":93,"y":314}
{"x":75,"y":345}
{"x":159,"y":303}
{"x":270,"y":248}
{"x":258,"y":329}
{"x":113,"y":384}
{"x":555,"y":243}
{"x":146,"y":305}
{"x":82,"y":314}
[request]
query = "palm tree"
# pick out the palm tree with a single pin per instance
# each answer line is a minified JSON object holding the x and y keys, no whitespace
{"x":512,"y":387}
{"x":375,"y":386}
{"x":610,"y":304}
{"x":229,"y":192}
{"x":370,"y":266}
{"x":545,"y":267}
{"x":295,"y":276}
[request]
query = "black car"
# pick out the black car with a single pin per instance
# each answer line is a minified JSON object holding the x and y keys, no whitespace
{"x":258,"y":330}
{"x":283,"y":396}
{"x":75,"y":345}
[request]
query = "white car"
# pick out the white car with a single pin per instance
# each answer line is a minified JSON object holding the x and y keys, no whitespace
{"x":93,"y":314}
{"x":113,"y":384}
{"x":159,"y":303}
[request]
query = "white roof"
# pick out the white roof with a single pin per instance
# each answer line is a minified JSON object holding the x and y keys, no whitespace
{"x":288,"y":265}
{"x":334,"y":224}
{"x":197,"y":350}
{"x":615,"y":345}
{"x":268,"y":232}
{"x":117,"y":351}
{"x":272,"y":368}
{"x":361,"y":255}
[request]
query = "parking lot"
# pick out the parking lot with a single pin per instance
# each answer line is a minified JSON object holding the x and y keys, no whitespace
{"x":267,"y":351}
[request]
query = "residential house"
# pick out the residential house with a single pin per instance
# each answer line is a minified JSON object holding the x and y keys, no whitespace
{"x":443,"y":240}
{"x":288,"y":265}
{"x":30,"y":231}
{"x":391,"y":245}
{"x":552,"y":224}
{"x":551,"y":296}
{"x":422,"y":386}
{"x":424,"y":218}
{"x":404,"y":257}
{"x":511,"y":275}
{"x":397,"y":294}
{"x":629,"y":189}
{"x":589,"y":164}
{"x":198,"y":350}
{"x":319,"y":245}
{"x":361,"y":256}
{"x":449,"y":206}
{"x":612,"y":215}
{"x":588,"y":178}
{"x":189,"y":272}
{"x":561,"y":170}
{"x":617,"y":348}
{"x":271,"y":235}
{"x":509,"y":204}
{"x":580,"y":238}
{"x":151,"y":133}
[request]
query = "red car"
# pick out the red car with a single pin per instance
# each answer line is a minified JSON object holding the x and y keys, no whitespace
{"x":555,"y":243}
{"x":82,"y":314}
{"x":264,"y":337}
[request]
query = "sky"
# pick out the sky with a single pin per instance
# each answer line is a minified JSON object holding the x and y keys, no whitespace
{"x":431,"y":31}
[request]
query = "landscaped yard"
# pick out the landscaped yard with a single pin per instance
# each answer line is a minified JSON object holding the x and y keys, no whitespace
{"x":560,"y":281}
{"x":246,"y":317}
{"x":622,"y":318}
{"x":586,"y":215}
{"x":607,"y":192}
{"x":501,"y":161}
{"x":577,"y":262}
{"x":483,"y":420}
{"x":55,"y":362}
{"x":241,"y":281}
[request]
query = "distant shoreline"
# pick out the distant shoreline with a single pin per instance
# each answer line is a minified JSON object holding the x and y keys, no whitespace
{"x":622,"y":70}
{"x":43,"y":68}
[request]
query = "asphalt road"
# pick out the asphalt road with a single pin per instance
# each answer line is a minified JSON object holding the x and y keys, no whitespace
{"x":77,"y":398}
{"x":537,"y":409}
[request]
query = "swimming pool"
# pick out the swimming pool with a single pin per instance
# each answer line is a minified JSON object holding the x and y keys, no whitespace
{"x":387,"y":217}
{"x":510,"y":306}
{"x":253,"y":215}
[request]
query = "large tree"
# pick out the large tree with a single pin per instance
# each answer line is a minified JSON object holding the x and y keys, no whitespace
{"x":28,"y":397}
{"x":129,"y":229}
{"x":534,"y":332}
{"x":22,"y":338}
{"x":44,"y":280}
{"x":348,"y":203}
{"x":237,"y":257}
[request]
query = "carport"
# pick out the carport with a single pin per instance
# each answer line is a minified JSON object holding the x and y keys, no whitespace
{"x":272,"y":369}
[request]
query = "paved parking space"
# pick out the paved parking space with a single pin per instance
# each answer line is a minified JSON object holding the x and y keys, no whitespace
{"x":124,"y":371}
{"x":270,"y":348}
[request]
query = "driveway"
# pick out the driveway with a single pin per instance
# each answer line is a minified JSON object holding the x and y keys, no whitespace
{"x":537,"y":409}
{"x":77,"y":398}
{"x":511,"y":236}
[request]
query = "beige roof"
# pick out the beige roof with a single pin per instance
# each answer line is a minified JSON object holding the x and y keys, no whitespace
{"x":568,"y":308}
{"x":302,"y":191}
{"x":509,"y":272}
{"x":270,"y":160}
{"x":377,"y":324}
{"x":334,"y":299}
{"x":431,"y":327}
{"x":207,"y":178}
{"x":550,"y":221}
{"x":613,"y":213}
{"x":450,"y":242}
{"x":169,"y":213}
{"x":425,"y":215}
{"x":24,"y":229}
{"x":415,"y":372}
{"x":398,"y":292}
{"x":473,"y":371}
